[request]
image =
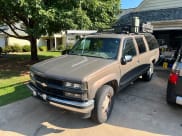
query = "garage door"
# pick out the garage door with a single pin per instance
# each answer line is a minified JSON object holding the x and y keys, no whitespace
{"x":2,"y":41}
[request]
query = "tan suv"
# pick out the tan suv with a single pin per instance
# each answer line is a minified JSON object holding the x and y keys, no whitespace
{"x":98,"y":66}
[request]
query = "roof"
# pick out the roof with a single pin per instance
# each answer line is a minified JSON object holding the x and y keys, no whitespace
{"x":9,"y":31}
{"x":158,"y":4}
{"x":161,"y":15}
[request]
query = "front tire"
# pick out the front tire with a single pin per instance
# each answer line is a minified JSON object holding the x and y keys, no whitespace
{"x":103,"y":104}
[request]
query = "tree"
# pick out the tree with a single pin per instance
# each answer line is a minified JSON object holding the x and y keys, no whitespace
{"x":42,"y":17}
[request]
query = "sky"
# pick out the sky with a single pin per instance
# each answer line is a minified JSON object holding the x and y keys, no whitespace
{"x":125,"y":4}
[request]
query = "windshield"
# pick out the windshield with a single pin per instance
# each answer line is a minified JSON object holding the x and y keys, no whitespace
{"x":97,"y":47}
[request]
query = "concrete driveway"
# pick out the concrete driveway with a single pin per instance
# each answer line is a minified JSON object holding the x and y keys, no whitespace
{"x":139,"y":110}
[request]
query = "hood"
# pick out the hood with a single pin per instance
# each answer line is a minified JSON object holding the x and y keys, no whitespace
{"x":70,"y":67}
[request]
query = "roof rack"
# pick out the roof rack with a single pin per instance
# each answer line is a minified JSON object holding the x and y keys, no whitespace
{"x":124,"y":29}
{"x":134,"y":28}
{"x":120,"y":29}
{"x":106,"y":30}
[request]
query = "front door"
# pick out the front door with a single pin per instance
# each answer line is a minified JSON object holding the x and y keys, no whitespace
{"x":129,"y":70}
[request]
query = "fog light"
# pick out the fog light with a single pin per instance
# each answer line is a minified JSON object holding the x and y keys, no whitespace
{"x":73,"y":95}
{"x":31,"y":74}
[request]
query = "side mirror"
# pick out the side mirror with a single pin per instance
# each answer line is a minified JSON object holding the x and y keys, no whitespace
{"x":126,"y":59}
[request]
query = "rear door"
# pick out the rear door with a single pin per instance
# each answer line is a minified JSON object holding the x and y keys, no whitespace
{"x":129,"y":70}
{"x":144,"y":55}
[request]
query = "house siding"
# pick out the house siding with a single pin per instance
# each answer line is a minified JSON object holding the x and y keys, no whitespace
{"x":158,"y":4}
{"x":14,"y":41}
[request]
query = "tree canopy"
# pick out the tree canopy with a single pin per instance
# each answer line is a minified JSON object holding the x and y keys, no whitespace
{"x":42,"y":17}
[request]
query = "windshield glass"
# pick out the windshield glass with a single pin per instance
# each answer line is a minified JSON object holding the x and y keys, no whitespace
{"x":97,"y":47}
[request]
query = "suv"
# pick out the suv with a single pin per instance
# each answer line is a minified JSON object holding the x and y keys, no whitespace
{"x":174,"y":91}
{"x":95,"y":69}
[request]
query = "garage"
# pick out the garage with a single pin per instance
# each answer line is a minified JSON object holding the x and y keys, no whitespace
{"x":165,"y":18}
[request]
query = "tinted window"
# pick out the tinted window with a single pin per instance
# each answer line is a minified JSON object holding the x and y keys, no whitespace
{"x":141,"y":45}
{"x":152,"y":42}
{"x":129,"y":48}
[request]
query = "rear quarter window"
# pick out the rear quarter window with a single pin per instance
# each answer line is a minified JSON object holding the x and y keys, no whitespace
{"x":152,"y":42}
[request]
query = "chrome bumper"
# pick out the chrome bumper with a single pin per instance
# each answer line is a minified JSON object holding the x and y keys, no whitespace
{"x":80,"y":107}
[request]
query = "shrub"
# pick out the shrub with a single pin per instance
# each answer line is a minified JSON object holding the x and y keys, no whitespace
{"x":70,"y":46}
{"x":42,"y":48}
{"x":1,"y":50}
{"x":26,"y":48}
{"x":16,"y":48}
{"x":61,"y":47}
{"x":7,"y":49}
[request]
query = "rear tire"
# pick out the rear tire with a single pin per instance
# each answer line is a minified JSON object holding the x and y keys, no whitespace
{"x":103,"y":104}
{"x":148,"y":75}
{"x":168,"y":98}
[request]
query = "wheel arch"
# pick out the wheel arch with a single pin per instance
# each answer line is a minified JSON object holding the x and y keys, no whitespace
{"x":107,"y":80}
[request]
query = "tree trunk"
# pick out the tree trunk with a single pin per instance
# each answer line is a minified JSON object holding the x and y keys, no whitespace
{"x":33,"y":43}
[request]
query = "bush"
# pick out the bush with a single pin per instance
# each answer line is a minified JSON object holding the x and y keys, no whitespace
{"x":16,"y":48}
{"x":1,"y":50}
{"x":70,"y":46}
{"x":61,"y":47}
{"x":26,"y":48}
{"x":7,"y":49}
{"x":43,"y":48}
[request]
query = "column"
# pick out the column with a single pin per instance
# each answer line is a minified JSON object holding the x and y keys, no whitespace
{"x":55,"y":42}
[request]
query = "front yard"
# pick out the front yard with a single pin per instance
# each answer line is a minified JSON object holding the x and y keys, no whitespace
{"x":14,"y":74}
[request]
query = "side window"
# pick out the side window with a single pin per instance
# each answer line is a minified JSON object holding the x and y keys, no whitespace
{"x":141,"y":44}
{"x":152,"y":42}
{"x":129,"y":48}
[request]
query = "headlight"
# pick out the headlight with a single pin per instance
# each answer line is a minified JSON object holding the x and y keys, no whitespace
{"x":32,"y":78}
{"x":68,"y":84}
{"x":82,"y":86}
{"x":76,"y":85}
{"x":31,"y":74}
{"x":73,"y":85}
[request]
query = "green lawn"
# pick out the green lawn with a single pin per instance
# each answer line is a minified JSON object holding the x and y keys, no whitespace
{"x":14,"y":74}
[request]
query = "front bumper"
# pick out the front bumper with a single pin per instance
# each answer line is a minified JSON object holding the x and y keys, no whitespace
{"x":80,"y":107}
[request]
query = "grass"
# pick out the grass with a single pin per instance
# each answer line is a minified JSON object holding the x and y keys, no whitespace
{"x":14,"y":74}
